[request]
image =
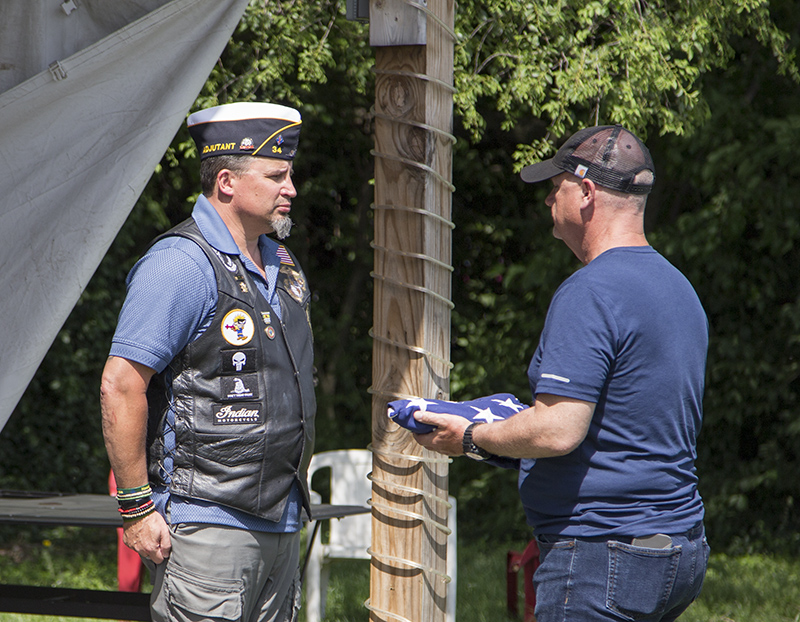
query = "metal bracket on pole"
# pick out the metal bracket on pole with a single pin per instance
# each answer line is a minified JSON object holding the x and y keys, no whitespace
{"x":357,"y":10}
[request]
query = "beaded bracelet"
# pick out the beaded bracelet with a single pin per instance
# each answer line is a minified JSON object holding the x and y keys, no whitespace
{"x":138,"y":512}
{"x":135,"y":502}
{"x":130,"y":494}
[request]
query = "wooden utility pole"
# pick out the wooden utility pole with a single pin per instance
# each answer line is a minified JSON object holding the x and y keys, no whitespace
{"x":413,"y":43}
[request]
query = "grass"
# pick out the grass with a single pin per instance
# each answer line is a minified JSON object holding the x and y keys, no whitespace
{"x":57,"y":557}
{"x":749,"y":588}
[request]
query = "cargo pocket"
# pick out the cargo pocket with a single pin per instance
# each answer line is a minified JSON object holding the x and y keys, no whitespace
{"x":211,"y":598}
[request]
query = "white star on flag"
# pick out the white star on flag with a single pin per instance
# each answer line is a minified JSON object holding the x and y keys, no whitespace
{"x":485,"y":414}
{"x":486,"y":409}
{"x":420,"y":404}
{"x":509,"y":403}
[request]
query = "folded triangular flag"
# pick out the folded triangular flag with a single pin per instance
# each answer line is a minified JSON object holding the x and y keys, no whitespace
{"x":484,"y":409}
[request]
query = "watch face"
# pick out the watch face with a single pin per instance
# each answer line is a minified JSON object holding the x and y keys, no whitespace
{"x":475,"y":453}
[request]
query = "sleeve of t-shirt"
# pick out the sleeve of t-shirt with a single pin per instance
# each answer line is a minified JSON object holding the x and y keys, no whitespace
{"x":171,"y":298}
{"x":577,"y":345}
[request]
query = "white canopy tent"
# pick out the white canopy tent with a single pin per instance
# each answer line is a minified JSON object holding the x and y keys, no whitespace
{"x":91,"y":94}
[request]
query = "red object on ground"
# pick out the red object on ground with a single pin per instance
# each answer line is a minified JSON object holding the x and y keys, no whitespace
{"x":129,"y":565}
{"x":528,"y":561}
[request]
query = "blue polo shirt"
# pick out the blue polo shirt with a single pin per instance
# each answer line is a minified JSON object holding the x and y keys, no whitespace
{"x":628,"y":333}
{"x":171,"y":300}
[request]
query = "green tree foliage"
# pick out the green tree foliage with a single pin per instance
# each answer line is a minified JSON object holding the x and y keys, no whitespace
{"x":707,"y":80}
{"x":737,"y":236}
{"x":634,"y":62}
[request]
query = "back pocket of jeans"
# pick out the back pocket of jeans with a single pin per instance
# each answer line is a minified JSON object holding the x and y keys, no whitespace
{"x":211,"y":598}
{"x":640,"y":580}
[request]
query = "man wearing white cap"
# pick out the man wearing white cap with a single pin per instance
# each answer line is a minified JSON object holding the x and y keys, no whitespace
{"x":208,"y":393}
{"x":607,"y":478}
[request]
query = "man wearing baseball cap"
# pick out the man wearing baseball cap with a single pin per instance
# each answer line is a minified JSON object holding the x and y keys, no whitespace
{"x":208,"y":393}
{"x":607,"y":479}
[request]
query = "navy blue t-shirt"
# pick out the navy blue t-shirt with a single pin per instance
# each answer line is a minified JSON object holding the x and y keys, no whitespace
{"x":628,"y":333}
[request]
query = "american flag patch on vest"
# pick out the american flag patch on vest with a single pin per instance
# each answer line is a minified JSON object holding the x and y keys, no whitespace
{"x":284,"y":255}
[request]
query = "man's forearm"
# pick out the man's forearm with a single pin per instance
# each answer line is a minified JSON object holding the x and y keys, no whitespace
{"x":123,"y":402}
{"x":554,"y":426}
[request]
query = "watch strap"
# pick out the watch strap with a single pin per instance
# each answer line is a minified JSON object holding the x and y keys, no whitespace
{"x":471,"y":450}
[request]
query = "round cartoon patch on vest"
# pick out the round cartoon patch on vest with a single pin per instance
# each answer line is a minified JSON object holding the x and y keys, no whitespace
{"x":237,"y":327}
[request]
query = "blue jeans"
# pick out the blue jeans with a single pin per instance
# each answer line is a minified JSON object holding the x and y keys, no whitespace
{"x":581,"y":580}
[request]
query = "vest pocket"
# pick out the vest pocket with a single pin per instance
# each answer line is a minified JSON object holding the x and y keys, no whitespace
{"x":230,"y":450}
{"x":211,"y":598}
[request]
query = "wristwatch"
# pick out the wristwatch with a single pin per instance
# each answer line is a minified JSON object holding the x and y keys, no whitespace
{"x":471,"y":450}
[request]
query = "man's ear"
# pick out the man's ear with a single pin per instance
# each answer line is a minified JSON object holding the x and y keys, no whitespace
{"x":588,"y":190}
{"x":225,"y":180}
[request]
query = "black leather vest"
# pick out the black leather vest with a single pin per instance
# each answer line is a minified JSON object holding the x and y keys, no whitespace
{"x":243,"y":394}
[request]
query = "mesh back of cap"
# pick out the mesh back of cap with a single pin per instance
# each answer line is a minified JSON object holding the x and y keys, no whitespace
{"x":612,"y":157}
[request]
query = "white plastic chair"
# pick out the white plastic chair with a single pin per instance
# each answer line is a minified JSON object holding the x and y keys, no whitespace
{"x":350,"y":537}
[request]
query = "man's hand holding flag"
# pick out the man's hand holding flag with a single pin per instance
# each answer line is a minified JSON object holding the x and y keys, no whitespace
{"x":422,"y":416}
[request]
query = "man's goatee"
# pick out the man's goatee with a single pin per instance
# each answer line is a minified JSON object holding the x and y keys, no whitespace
{"x":282,"y":226}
